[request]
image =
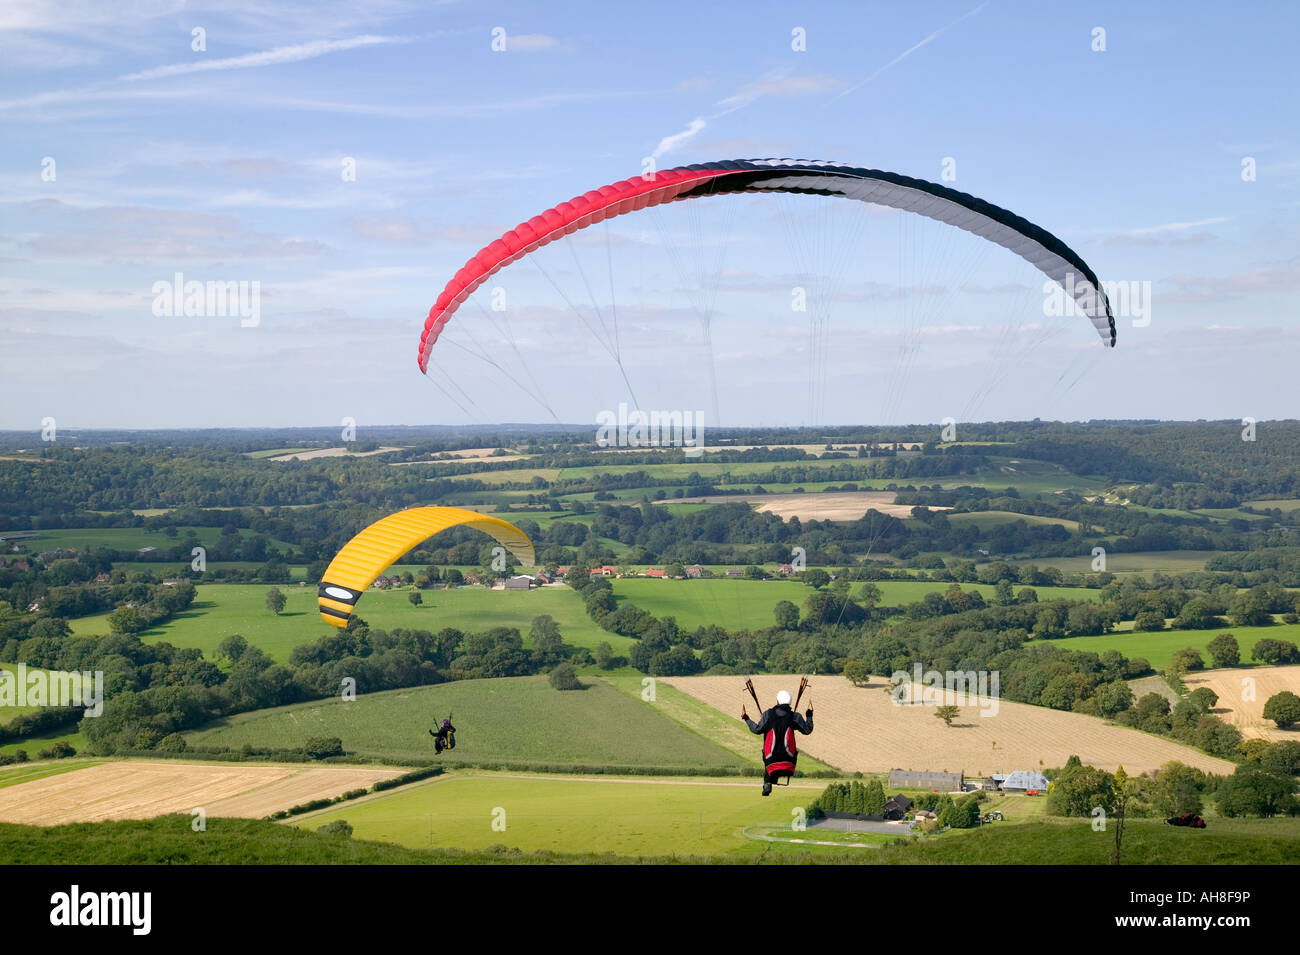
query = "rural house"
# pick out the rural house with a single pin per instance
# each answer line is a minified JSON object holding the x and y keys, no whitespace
{"x":897,"y":806}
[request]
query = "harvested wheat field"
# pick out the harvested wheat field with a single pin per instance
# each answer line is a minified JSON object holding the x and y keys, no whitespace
{"x":141,"y":790}
{"x":1248,"y":715}
{"x":330,"y":453}
{"x":834,"y":506}
{"x":860,"y":729}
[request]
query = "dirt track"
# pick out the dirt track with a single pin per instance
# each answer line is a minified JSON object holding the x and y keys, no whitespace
{"x":860,"y":729}
{"x":141,"y":790}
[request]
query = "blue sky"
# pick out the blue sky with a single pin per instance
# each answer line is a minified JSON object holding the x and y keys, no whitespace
{"x":226,"y":164}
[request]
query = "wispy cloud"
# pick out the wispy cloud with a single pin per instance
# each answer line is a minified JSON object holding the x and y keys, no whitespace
{"x":1284,"y":277}
{"x":776,"y":83}
{"x":1177,"y":226}
{"x":532,"y":42}
{"x":912,"y":49}
{"x":1168,"y":233}
{"x":671,"y":142}
{"x":274,"y":57}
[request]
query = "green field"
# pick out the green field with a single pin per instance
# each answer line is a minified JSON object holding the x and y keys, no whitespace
{"x":1159,"y":647}
{"x":1282,"y":504}
{"x":623,"y":816}
{"x":986,"y":519}
{"x":1137,"y":562}
{"x":220,"y":610}
{"x":507,"y":475}
{"x":1228,"y":514}
{"x":733,"y":604}
{"x":127,"y":538}
{"x":8,"y":713}
{"x":34,"y":744}
{"x":519,"y":719}
{"x":26,"y":772}
{"x":180,"y":568}
{"x":637,"y":817}
{"x":747,"y":604}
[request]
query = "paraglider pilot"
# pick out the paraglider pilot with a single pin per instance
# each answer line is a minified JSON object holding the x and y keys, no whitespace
{"x":777,"y":726}
{"x":445,"y":738}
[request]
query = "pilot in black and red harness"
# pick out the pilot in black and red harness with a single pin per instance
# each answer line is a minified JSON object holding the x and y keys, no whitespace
{"x":777,"y":726}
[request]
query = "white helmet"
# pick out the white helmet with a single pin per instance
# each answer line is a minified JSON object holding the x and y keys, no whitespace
{"x":783,"y":698}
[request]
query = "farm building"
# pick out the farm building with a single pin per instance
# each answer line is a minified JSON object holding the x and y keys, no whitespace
{"x":897,"y":806}
{"x":937,"y":782}
{"x":1023,"y":781}
{"x":522,"y":582}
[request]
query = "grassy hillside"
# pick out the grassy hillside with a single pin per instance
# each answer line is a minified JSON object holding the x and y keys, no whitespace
{"x":520,"y":719}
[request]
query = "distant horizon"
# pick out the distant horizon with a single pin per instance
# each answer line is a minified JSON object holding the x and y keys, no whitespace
{"x":362,"y":429}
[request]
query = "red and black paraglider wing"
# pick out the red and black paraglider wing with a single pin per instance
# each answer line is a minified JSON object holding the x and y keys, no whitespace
{"x":1032,"y":243}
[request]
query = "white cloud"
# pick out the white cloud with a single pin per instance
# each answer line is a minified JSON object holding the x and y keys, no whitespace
{"x":775,"y":83}
{"x":669,"y":143}
{"x":912,"y":49}
{"x":531,"y":42}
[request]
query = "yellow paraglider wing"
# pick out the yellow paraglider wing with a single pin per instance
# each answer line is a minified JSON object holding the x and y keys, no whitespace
{"x":370,"y":553}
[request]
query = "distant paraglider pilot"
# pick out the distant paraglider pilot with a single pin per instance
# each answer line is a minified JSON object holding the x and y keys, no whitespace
{"x":445,"y":738}
{"x":777,"y":726}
